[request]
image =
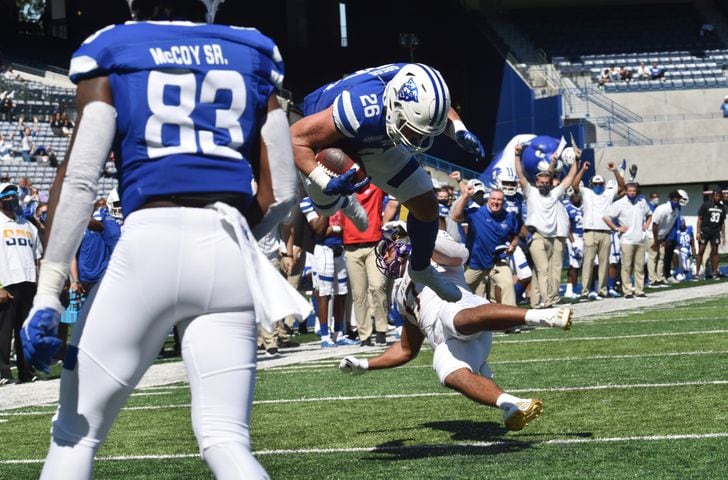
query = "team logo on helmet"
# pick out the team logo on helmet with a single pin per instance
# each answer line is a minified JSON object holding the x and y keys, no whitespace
{"x":408,"y":92}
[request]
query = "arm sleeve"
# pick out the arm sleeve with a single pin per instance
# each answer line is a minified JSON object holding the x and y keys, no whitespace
{"x":75,"y":204}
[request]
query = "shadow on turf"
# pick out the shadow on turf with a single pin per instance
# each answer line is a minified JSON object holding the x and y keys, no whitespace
{"x":491,"y":434}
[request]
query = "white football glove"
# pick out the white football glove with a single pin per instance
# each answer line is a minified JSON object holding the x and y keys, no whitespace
{"x":353,"y":365}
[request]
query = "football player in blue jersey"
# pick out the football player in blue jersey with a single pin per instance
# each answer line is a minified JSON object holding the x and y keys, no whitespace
{"x":190,"y":111}
{"x":382,"y":117}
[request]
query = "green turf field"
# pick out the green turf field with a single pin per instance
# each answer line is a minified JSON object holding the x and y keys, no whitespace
{"x":638,"y":395}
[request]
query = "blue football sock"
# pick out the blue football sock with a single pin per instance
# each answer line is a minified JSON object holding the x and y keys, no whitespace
{"x":519,"y":291}
{"x":422,"y":236}
{"x":612,"y":282}
{"x":395,"y":316}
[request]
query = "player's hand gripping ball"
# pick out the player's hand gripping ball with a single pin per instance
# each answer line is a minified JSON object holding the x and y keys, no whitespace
{"x":347,"y":175}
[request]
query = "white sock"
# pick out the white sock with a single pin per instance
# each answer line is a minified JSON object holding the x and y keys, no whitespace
{"x":505,"y":400}
{"x":339,"y":335}
{"x":569,"y":290}
{"x":325,"y":338}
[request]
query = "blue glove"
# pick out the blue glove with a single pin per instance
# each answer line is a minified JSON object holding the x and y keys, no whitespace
{"x":470,"y":143}
{"x":40,"y":338}
{"x":341,"y":184}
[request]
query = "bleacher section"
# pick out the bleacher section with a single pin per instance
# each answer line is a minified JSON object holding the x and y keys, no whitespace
{"x":582,"y":42}
{"x":575,"y":31}
{"x":682,"y":69}
{"x":42,"y":174}
{"x":34,"y":98}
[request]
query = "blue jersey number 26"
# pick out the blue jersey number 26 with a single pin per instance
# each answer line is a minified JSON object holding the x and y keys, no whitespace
{"x":191,"y":137}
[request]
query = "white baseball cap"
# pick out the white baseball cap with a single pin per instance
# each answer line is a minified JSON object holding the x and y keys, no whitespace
{"x":597,"y":179}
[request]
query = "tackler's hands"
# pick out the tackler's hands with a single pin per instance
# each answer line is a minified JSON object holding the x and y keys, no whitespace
{"x":355,"y":366}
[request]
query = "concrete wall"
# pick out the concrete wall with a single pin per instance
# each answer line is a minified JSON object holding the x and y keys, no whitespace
{"x":672,"y":101}
{"x":670,"y":164}
{"x":683,"y":128}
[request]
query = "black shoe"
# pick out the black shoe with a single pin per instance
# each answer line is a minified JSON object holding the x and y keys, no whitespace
{"x":302,"y":329}
{"x":642,"y":295}
{"x":629,"y":295}
{"x":5,"y":381}
{"x":381,"y":338}
{"x":367,"y":342}
{"x":288,"y":344}
{"x":271,"y":352}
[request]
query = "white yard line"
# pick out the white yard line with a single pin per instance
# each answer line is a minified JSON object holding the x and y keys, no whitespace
{"x":567,"y":338}
{"x":411,"y":395}
{"x":398,"y":448}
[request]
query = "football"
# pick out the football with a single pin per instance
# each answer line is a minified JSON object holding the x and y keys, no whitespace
{"x":336,"y":162}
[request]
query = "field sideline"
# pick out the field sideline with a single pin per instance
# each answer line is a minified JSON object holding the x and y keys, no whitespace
{"x":638,"y":389}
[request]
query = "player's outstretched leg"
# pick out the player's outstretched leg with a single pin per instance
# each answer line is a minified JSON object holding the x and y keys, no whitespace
{"x":517,"y":412}
{"x":493,"y":316}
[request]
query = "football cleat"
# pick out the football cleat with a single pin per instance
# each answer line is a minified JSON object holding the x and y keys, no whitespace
{"x":520,"y":414}
{"x":356,"y":213}
{"x":328,"y":344}
{"x":430,"y":277}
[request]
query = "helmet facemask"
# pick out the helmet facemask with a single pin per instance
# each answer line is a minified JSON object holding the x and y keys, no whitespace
{"x":393,"y":250}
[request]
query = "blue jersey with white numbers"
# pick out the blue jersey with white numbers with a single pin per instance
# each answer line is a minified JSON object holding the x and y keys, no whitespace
{"x":190,"y":100}
{"x":358,"y":107}
{"x":575,"y":218}
{"x":515,"y":205}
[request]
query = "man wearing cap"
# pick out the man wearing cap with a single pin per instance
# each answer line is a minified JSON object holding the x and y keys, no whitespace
{"x":20,"y":251}
{"x":548,"y":221}
{"x":664,"y":219}
{"x":597,"y":235}
{"x":492,"y":238}
{"x":711,"y":230}
{"x":633,"y":218}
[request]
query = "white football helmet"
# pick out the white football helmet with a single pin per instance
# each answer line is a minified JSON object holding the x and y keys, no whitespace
{"x":568,"y":156}
{"x":477,"y":185}
{"x":507,"y":181}
{"x":685,"y":198}
{"x":417,"y":102}
{"x":210,"y":5}
{"x":113,"y":203}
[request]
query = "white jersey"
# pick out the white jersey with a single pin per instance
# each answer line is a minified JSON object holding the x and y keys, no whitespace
{"x":19,"y":250}
{"x":421,"y":306}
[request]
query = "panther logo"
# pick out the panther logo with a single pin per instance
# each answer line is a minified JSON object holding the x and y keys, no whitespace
{"x":408,"y":92}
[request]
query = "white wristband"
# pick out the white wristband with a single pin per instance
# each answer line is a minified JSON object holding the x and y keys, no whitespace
{"x":52,"y":278}
{"x":364,"y":364}
{"x":319,"y":176}
{"x":336,"y":228}
{"x":458,"y":125}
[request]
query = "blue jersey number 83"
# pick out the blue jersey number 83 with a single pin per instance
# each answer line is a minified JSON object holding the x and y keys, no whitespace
{"x":179,"y":111}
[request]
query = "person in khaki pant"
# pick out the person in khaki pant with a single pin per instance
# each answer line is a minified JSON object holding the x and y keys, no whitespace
{"x":597,"y":234}
{"x":492,"y":238}
{"x":548,"y":221}
{"x":634,"y":217}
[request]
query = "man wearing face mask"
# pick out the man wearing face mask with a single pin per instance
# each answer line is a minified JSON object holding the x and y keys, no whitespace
{"x":597,"y":234}
{"x":444,"y":199}
{"x":548,"y":221}
{"x":664,"y":219}
{"x":20,"y":251}
{"x":633,"y":220}
{"x":492,"y":238}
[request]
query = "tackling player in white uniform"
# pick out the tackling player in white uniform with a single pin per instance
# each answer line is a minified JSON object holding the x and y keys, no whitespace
{"x":190,"y":110}
{"x":459,"y":333}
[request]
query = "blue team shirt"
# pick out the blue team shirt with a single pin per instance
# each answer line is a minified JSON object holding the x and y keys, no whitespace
{"x":358,"y":107}
{"x":516,"y":205}
{"x":190,"y":100}
{"x":487,"y":231}
{"x":575,"y":218}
